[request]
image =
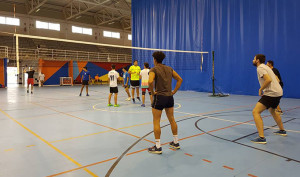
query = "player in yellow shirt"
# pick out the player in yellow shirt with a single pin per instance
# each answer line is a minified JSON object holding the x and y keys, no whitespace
{"x":134,"y":71}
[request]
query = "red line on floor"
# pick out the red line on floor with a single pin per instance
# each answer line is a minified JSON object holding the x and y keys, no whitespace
{"x":252,"y":175}
{"x":207,"y":161}
{"x":230,"y":168}
{"x":188,"y":154}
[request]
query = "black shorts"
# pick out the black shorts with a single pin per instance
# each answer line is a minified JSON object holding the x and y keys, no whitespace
{"x":160,"y":102}
{"x":135,"y":83}
{"x":85,"y":82}
{"x":113,"y":89}
{"x":270,"y":102}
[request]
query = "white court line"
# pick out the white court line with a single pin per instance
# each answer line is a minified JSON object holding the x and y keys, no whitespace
{"x":210,"y":117}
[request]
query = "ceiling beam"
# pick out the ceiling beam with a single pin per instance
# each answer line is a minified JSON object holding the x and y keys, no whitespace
{"x":111,"y":20}
{"x":35,"y":4}
{"x":82,"y":7}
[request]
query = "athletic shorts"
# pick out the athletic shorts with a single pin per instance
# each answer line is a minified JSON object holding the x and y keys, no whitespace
{"x":160,"y":102}
{"x":113,"y":89}
{"x":30,"y":81}
{"x":85,"y":82}
{"x":270,"y":102}
{"x":144,"y":89}
{"x":135,"y":84}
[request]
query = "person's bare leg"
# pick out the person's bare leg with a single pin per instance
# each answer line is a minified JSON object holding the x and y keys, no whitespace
{"x":277,"y":118}
{"x":116,"y":98}
{"x":87,"y":89}
{"x":132,"y":92}
{"x":127,"y":91}
{"x":137,"y":92}
{"x":143,"y":98}
{"x":156,"y":122}
{"x":279,"y":108}
{"x":81,"y":89}
{"x":258,"y":109}
{"x":31,"y":88}
{"x":109,"y":98}
{"x":170,"y":115}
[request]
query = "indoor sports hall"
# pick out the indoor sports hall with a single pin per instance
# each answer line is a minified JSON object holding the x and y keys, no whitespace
{"x":74,"y":75}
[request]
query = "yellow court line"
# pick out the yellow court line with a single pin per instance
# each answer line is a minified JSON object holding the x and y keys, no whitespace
{"x":6,"y":150}
{"x":48,"y":143}
{"x":210,"y":117}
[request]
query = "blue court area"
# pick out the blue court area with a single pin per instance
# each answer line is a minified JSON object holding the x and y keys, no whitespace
{"x":54,"y":132}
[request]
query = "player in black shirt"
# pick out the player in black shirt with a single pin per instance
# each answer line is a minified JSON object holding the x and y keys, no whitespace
{"x":270,"y":63}
{"x":30,"y":80}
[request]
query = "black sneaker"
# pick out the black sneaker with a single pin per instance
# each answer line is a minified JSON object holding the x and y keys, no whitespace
{"x":259,"y":140}
{"x":175,"y":146}
{"x":138,"y":98}
{"x":133,"y":100}
{"x":80,"y":94}
{"x":31,"y":92}
{"x":155,"y":150}
{"x":280,"y":132}
{"x":27,"y":91}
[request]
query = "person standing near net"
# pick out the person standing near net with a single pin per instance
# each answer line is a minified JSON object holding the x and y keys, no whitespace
{"x":135,"y":70}
{"x":271,"y":93}
{"x":126,"y":83}
{"x":270,"y":63}
{"x":30,"y":80}
{"x":113,"y":76}
{"x":86,"y":77}
{"x":144,"y":76}
{"x":163,"y":99}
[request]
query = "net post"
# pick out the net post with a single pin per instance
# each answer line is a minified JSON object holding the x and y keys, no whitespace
{"x":213,"y":73}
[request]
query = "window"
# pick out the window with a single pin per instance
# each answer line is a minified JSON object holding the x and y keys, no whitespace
{"x":2,"y":20}
{"x":88,"y":31}
{"x":106,"y":33}
{"x":111,"y":34}
{"x":81,"y":30}
{"x":129,"y":37}
{"x":9,"y":21}
{"x":54,"y":26}
{"x":46,"y":25}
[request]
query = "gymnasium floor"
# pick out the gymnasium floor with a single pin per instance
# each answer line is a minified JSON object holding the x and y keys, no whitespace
{"x":54,"y":132}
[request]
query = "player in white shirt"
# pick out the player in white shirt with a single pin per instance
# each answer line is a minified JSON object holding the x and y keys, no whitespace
{"x":271,"y":93}
{"x":42,"y":79}
{"x":113,"y":76}
{"x":144,"y":76}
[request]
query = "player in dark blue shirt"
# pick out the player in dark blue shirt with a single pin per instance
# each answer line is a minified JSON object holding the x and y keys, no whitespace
{"x":86,"y":76}
{"x":126,"y":84}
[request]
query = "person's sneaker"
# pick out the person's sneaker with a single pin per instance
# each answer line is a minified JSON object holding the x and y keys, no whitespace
{"x":116,"y":105}
{"x":80,"y":94}
{"x":31,"y":92}
{"x":27,"y":91}
{"x":138,"y":98}
{"x":133,"y":100}
{"x":155,"y":150}
{"x":175,"y":146}
{"x":280,"y":132}
{"x":128,"y":99}
{"x":259,"y":140}
{"x":109,"y":105}
{"x":143,"y":105}
{"x":87,"y":95}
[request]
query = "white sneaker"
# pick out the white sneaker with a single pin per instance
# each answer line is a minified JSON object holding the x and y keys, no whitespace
{"x":128,"y":99}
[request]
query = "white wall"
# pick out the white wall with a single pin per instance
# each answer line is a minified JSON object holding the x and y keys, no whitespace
{"x":27,"y":26}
